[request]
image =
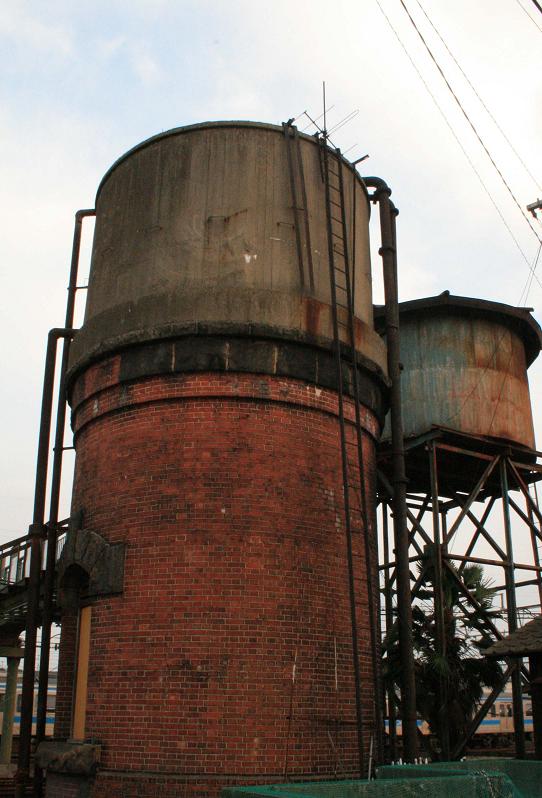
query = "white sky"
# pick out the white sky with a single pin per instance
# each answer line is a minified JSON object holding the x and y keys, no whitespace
{"x":81,"y":83}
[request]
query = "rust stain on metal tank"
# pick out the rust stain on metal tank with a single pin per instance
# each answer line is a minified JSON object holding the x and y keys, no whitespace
{"x":312,"y":309}
{"x":358,"y":332}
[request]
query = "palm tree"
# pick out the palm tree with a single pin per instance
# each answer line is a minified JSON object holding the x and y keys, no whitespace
{"x":449,"y":688}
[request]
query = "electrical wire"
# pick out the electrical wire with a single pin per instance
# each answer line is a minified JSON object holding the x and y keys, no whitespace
{"x":468,"y":119}
{"x":528,"y":285}
{"x":458,"y":140}
{"x":527,"y":13}
{"x":499,"y":128}
{"x":526,"y":289}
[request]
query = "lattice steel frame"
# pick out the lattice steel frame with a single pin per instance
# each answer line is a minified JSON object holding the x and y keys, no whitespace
{"x":499,"y":469}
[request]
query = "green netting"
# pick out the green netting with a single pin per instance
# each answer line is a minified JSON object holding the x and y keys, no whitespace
{"x":525,"y":776}
{"x":439,"y":784}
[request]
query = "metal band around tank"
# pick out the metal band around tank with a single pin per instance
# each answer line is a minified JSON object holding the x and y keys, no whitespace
{"x":214,"y":352}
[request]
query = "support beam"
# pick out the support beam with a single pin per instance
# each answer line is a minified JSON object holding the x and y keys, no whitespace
{"x":517,"y":698}
{"x":477,"y":533}
{"x":388,"y":603}
{"x":10,"y":700}
{"x":466,"y":505}
{"x":535,"y":671}
{"x":482,"y":712}
{"x":438,"y":597}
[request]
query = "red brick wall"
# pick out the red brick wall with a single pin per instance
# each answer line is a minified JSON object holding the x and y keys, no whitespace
{"x":226,"y":489}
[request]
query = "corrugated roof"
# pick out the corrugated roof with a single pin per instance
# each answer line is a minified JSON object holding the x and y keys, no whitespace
{"x":523,"y":642}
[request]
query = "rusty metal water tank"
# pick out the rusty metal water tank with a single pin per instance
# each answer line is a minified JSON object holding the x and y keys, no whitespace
{"x":465,"y":364}
{"x":205,"y":415}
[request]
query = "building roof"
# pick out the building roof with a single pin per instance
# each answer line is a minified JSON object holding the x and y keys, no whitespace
{"x":522,"y":643}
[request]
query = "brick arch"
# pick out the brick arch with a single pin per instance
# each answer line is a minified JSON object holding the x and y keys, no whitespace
{"x":102,"y":561}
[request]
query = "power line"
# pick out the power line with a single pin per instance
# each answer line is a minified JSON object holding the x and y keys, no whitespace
{"x":456,"y":137}
{"x":527,"y":14}
{"x":528,"y":285}
{"x":499,"y":128}
{"x":532,"y":268}
{"x":475,"y":131}
{"x":504,"y":333}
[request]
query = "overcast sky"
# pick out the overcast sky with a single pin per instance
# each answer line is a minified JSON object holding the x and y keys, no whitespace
{"x":83,"y":82}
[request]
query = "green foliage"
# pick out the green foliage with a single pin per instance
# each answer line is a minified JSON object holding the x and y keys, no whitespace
{"x":449,"y":687}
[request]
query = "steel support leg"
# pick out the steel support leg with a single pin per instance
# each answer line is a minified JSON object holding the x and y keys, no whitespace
{"x":517,"y":698}
{"x":438,"y":593}
{"x":10,"y":698}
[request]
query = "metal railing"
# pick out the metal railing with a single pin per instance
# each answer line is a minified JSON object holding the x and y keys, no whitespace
{"x":15,"y":560}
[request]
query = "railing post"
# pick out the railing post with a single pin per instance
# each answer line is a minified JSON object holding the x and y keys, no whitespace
{"x":13,"y":655}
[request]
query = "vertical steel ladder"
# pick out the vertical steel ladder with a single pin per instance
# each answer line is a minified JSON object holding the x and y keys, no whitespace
{"x":351,"y":445}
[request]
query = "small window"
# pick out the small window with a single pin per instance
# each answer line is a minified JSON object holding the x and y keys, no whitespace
{"x":502,"y":710}
{"x":51,"y":702}
{"x":19,"y":702}
{"x":493,"y":711}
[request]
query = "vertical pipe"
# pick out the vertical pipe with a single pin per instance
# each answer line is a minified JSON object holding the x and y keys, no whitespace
{"x":371,"y":562}
{"x":36,"y":535}
{"x":56,"y":479}
{"x":439,"y":608}
{"x":10,"y":698}
{"x":392,"y":715}
{"x":517,"y":699}
{"x":388,"y":251}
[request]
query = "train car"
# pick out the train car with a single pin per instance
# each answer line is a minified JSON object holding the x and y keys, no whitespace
{"x":51,"y":704}
{"x":496,"y":730}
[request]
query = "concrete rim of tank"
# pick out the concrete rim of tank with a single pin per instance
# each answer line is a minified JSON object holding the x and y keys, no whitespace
{"x":520,"y":319}
{"x":177,"y":131}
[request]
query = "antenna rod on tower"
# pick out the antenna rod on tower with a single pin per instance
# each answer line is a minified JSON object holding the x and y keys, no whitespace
{"x":324,"y":97}
{"x":534,"y":207}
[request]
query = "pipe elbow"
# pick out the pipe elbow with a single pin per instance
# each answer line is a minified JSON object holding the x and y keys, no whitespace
{"x":380,"y":186}
{"x":81,"y":214}
{"x":61,"y":332}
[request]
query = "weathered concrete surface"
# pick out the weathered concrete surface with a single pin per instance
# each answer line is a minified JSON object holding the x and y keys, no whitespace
{"x":74,"y":758}
{"x":197,"y":226}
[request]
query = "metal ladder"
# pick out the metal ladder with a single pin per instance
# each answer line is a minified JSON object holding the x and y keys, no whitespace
{"x":351,"y":445}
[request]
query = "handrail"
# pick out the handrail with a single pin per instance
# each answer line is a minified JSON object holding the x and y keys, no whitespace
{"x":15,"y":559}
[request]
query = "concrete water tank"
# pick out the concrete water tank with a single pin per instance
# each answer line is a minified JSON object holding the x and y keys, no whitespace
{"x":465,"y":364}
{"x":209,"y":539}
{"x":197,"y":226}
